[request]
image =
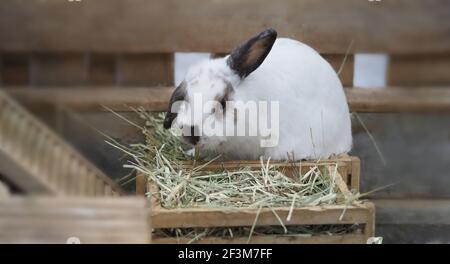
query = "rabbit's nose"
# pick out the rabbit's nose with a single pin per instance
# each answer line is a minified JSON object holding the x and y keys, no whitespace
{"x":194,"y":136}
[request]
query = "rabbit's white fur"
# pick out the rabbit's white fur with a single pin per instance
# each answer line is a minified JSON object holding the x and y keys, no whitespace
{"x":314,"y":115}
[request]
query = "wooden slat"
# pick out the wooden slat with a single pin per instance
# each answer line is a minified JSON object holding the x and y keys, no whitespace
{"x":345,"y":163}
{"x":209,"y":217}
{"x":425,"y":99}
{"x":83,"y":98}
{"x":354,"y":180}
{"x":14,"y":69}
{"x":271,"y":239}
{"x":146,"y":69}
{"x":402,"y":26}
{"x":102,"y":69}
{"x":369,"y":228}
{"x":419,"y":70}
{"x":141,"y":183}
{"x":341,"y":185}
{"x":58,"y":69}
{"x":399,"y":100}
{"x":92,"y":220}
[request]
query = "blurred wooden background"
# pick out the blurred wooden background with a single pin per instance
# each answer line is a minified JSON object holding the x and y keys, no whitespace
{"x":64,"y":60}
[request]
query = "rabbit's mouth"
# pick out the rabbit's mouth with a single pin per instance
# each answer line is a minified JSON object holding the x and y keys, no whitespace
{"x":192,"y":135}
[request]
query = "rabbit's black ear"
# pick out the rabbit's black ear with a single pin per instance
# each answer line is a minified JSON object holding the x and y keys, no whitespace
{"x":248,"y":56}
{"x":177,"y":95}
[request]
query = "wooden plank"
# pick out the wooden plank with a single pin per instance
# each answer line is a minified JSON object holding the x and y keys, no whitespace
{"x":419,"y":70}
{"x":399,"y":100}
{"x":343,"y":163}
{"x":218,"y":26}
{"x":91,"y":220}
{"x":82,"y":98}
{"x":413,"y":211}
{"x":141,"y":183}
{"x":209,"y":217}
{"x":354,"y":180}
{"x":102,"y":69}
{"x":50,"y":69}
{"x":342,"y":185}
{"x":146,"y":69}
{"x":99,"y":187}
{"x":425,"y":99}
{"x":271,"y":239}
{"x":369,"y":228}
{"x":14,"y":69}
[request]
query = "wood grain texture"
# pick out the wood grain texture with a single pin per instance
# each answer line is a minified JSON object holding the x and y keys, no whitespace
{"x":419,"y":70}
{"x":364,"y":100}
{"x":342,"y":187}
{"x":92,"y":220}
{"x":14,"y":69}
{"x":355,"y":179}
{"x":402,"y":26}
{"x":44,"y":162}
{"x":220,"y":217}
{"x":425,"y":99}
{"x":102,"y":69}
{"x":50,"y":69}
{"x":87,"y":98}
{"x":146,"y":69}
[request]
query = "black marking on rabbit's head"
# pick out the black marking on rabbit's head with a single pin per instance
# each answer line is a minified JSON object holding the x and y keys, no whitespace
{"x":177,"y":95}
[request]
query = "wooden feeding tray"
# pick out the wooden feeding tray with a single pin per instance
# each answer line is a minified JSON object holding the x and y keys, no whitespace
{"x":360,"y":214}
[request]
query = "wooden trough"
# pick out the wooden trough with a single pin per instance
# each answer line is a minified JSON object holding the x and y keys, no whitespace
{"x":360,"y":213}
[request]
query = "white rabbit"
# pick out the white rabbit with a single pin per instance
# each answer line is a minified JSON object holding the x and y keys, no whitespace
{"x":314,"y":119}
